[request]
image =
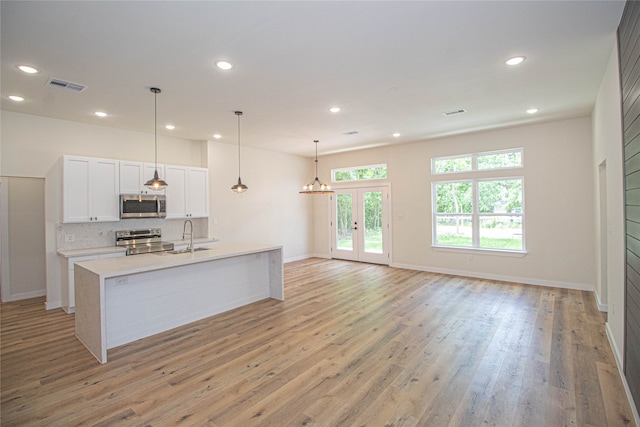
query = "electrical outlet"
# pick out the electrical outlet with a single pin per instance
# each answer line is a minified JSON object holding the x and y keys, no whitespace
{"x":69,"y":237}
{"x":215,"y":221}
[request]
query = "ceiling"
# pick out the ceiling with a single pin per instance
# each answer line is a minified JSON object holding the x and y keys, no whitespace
{"x":391,"y":66}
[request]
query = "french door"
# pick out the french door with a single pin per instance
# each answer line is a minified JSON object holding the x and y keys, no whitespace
{"x":360,"y":225}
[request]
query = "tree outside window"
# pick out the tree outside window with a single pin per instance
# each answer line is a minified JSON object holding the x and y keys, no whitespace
{"x":485,"y":214}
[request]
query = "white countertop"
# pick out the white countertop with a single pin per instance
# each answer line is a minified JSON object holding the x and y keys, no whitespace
{"x":122,"y":266}
{"x":72,"y":253}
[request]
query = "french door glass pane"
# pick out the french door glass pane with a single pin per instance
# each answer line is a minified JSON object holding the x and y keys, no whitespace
{"x":501,"y":232}
{"x":373,"y":222}
{"x":344,"y":222}
{"x":454,"y":230}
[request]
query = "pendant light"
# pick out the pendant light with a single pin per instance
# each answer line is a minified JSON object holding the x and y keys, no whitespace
{"x":316,"y":186}
{"x":155,"y":183}
{"x":239,"y":187}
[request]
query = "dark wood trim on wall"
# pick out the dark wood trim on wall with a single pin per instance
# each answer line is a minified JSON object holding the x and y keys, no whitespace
{"x":629,"y":59}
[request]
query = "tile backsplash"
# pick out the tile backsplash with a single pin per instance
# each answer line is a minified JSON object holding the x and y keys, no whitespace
{"x":93,"y":235}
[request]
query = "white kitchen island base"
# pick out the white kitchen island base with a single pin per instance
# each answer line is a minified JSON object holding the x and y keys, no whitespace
{"x":121,"y":300}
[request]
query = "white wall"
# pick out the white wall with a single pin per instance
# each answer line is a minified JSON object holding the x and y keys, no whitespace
{"x":32,"y":144}
{"x":21,"y":213}
{"x":559,"y":200}
{"x":607,"y":149}
{"x":271,"y":210}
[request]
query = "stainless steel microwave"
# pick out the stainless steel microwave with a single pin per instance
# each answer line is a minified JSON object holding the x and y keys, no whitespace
{"x":143,"y":206}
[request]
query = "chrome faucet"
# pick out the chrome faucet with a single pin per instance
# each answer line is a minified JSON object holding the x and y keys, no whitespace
{"x":184,"y":231}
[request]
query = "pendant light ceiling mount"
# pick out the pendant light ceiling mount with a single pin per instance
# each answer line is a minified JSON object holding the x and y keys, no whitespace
{"x":316,"y":186}
{"x":155,"y":183}
{"x":239,"y":187}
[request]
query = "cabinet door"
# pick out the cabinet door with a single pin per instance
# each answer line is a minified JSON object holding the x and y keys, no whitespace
{"x":105,"y":189}
{"x":75,"y":189}
{"x":90,"y":189}
{"x":198,"y":193}
{"x":131,"y":175}
{"x":176,"y":177}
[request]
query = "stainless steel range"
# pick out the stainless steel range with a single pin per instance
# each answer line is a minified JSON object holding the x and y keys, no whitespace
{"x":142,"y":241}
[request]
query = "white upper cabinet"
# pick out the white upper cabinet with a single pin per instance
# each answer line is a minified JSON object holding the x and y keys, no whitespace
{"x":187,"y":192}
{"x":133,"y":175}
{"x":90,"y":189}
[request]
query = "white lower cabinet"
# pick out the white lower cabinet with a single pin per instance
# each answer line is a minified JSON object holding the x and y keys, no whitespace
{"x":68,"y":277}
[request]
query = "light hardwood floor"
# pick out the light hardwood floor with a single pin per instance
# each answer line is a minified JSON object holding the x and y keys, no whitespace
{"x":352,"y":345}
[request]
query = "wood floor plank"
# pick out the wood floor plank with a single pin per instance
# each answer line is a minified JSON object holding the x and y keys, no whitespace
{"x":353,"y":344}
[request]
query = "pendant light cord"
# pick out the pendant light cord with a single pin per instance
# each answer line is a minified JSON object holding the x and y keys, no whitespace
{"x":238,"y":113}
{"x":316,"y":161}
{"x":238,"y":143}
{"x":155,"y":125}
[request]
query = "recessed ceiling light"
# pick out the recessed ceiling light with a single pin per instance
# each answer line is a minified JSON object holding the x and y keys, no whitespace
{"x":515,"y":60}
{"x":16,"y":98}
{"x":170,"y":127}
{"x":27,"y":69}
{"x":100,"y":114}
{"x":334,"y":109}
{"x":217,"y":136}
{"x":532,"y":110}
{"x":396,"y":134}
{"x":224,"y":65}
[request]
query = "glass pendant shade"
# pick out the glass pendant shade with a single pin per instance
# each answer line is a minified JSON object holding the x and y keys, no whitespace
{"x":316,"y":186}
{"x":239,"y":187}
{"x":155,"y":183}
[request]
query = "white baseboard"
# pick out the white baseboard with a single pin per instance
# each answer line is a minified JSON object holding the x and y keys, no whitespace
{"x":601,"y":306}
{"x":50,"y":305}
{"x":307,"y":256}
{"x":616,"y":351}
{"x":26,"y":295}
{"x":516,"y":279}
{"x":618,"y":356}
{"x":296,"y":258}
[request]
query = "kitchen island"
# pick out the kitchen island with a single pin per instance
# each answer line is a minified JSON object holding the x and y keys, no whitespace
{"x":120,"y":300}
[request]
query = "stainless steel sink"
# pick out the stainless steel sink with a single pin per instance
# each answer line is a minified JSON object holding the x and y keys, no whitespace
{"x":182,"y":251}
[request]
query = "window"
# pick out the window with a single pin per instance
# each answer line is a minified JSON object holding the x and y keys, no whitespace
{"x":479,"y":213}
{"x":477,"y":161}
{"x":359,"y":173}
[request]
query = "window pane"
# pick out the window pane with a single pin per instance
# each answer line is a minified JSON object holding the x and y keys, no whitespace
{"x":459,"y":164}
{"x":373,"y":222}
{"x":508,"y":159}
{"x":360,"y":173}
{"x":453,"y":230}
{"x":454,"y":197}
{"x":344,"y":236}
{"x":501,"y":232}
{"x":500,"y":196}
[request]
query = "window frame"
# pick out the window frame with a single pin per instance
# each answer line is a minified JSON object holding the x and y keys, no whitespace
{"x":475,"y":215}
{"x":474,"y":161}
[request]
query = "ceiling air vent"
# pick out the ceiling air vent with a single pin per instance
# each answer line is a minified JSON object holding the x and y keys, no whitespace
{"x":454,"y":112}
{"x":350,"y":132}
{"x":63,"y":84}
